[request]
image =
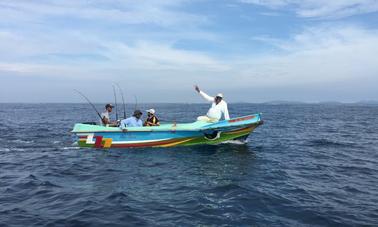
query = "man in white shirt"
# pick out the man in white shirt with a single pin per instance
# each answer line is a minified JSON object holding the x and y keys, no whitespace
{"x":105,"y":119}
{"x":218,"y":107}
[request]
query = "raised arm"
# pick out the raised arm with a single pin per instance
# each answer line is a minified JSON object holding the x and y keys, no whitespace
{"x":204,"y":95}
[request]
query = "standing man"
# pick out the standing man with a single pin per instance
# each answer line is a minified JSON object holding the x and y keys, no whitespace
{"x":133,"y":121}
{"x":218,"y":107}
{"x":105,"y":119}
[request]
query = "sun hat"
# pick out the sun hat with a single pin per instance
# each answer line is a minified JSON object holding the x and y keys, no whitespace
{"x":151,"y":111}
{"x":220,"y":95}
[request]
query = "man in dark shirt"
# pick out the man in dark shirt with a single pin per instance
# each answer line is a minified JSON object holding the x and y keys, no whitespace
{"x":151,"y":120}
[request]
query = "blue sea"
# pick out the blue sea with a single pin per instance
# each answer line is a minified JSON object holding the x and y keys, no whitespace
{"x":308,"y":165}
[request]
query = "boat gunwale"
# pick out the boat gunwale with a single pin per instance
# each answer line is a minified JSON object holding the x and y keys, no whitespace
{"x":175,"y":129}
{"x":172,"y":130}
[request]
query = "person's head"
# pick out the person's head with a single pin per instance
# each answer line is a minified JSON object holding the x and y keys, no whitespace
{"x":138,"y":114}
{"x":109,"y":107}
{"x":150,"y":112}
{"x":218,"y":98}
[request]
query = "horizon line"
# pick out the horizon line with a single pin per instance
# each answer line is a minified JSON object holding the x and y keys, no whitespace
{"x":237,"y":102}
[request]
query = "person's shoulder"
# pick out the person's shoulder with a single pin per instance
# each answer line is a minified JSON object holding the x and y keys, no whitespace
{"x":127,"y":119}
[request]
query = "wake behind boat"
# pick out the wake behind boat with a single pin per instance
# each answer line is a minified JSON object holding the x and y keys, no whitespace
{"x":167,"y":135}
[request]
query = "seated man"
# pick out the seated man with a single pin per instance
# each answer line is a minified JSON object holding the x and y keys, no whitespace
{"x":133,"y":121}
{"x":151,"y":120}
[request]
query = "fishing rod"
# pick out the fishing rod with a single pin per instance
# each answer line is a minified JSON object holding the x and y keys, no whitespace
{"x":115,"y":100}
{"x":90,"y":103}
{"x":136,"y":102}
{"x":123,"y":101}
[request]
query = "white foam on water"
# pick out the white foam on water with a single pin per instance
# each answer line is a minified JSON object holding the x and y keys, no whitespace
{"x":18,"y":149}
{"x":71,"y":148}
{"x":4,"y":149}
{"x":23,"y":141}
{"x":237,"y":142}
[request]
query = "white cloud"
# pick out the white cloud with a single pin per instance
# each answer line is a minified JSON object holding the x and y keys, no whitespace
{"x":318,"y":55}
{"x":145,"y":55}
{"x":163,"y":13}
{"x":142,"y":56}
{"x":36,"y":39}
{"x":84,"y":46}
{"x":321,"y":8}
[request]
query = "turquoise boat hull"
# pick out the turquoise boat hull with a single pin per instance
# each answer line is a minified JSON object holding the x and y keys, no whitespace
{"x":166,"y":135}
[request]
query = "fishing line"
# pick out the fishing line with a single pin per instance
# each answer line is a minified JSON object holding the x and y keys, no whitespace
{"x":123,"y":100}
{"x":115,"y":100}
{"x":90,"y":103}
{"x":136,"y":102}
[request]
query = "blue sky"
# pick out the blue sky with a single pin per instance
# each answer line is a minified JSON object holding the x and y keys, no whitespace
{"x":251,"y":50}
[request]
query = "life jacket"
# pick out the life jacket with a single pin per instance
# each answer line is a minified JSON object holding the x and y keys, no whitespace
{"x":153,"y":120}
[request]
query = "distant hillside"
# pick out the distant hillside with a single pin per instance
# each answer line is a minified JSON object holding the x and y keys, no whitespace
{"x":368,"y":102}
{"x":284,"y":102}
{"x":281,"y":102}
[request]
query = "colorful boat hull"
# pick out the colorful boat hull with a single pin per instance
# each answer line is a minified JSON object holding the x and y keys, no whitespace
{"x":166,"y":135}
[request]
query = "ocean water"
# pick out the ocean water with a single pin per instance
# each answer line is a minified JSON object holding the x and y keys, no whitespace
{"x":308,"y":165}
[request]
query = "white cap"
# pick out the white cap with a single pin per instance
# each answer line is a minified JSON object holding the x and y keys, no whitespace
{"x":151,"y":111}
{"x":219,"y":95}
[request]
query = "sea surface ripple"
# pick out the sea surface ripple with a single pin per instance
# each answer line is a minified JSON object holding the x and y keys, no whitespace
{"x":309,"y":164}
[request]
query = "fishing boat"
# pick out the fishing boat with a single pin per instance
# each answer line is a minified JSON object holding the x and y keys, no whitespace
{"x":166,"y":135}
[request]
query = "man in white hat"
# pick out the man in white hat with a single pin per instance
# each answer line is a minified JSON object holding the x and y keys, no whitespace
{"x":218,"y":107}
{"x":151,"y":120}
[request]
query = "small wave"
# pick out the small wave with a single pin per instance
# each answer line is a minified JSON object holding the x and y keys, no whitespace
{"x":17,"y":149}
{"x":351,"y":189}
{"x":69,"y":222}
{"x":226,"y":189}
{"x":326,"y":142}
{"x":154,"y":164}
{"x":117,"y":196}
{"x":4,"y":149}
{"x":32,"y":181}
{"x":19,"y":141}
{"x":49,"y":184}
{"x":13,"y":210}
{"x":32,"y":177}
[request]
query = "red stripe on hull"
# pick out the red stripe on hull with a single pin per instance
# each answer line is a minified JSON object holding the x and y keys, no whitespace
{"x":150,"y":144}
